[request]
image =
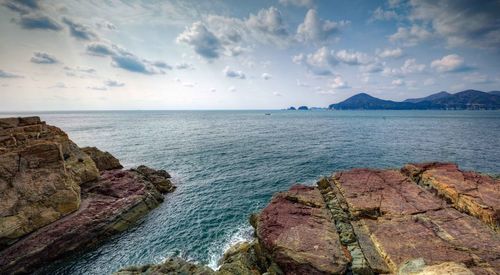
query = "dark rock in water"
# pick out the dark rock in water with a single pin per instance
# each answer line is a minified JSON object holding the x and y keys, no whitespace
{"x":171,"y":266}
{"x":292,"y":108}
{"x":53,"y":196}
{"x":159,"y":178}
{"x":103,"y":160}
{"x":303,"y":108}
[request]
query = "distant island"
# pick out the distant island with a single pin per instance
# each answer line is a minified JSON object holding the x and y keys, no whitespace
{"x":465,"y":100}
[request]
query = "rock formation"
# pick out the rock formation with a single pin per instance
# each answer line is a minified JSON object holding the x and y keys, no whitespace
{"x":56,"y":198}
{"x":428,"y":218}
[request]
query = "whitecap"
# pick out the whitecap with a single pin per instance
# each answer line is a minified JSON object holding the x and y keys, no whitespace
{"x":243,"y":233}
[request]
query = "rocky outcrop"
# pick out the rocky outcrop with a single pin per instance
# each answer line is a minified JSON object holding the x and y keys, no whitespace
{"x":296,"y":230}
{"x":423,"y":219}
{"x":103,"y":160}
{"x":473,"y":193}
{"x":54,"y":201}
{"x":41,"y":170}
{"x":240,"y":259}
{"x":159,"y":178}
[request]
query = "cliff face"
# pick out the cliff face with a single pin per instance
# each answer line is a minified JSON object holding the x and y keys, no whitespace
{"x":54,"y":200}
{"x":423,"y":219}
{"x":40,"y":175}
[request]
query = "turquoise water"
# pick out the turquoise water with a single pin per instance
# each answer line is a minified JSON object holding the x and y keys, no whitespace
{"x":227,"y":164}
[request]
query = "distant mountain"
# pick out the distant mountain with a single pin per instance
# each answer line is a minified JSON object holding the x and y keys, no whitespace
{"x":368,"y":102}
{"x":469,"y":99}
{"x":428,"y":98}
{"x":494,"y":92}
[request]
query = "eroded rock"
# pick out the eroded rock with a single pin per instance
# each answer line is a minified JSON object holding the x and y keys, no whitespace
{"x":473,"y":193}
{"x":405,"y":221}
{"x":103,"y":160}
{"x":54,"y":198}
{"x":297,"y":230}
{"x":40,"y":173}
{"x":160,"y":178}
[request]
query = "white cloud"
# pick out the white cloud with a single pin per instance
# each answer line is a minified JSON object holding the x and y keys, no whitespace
{"x":277,"y":94}
{"x":338,"y":83}
{"x":4,"y":74}
{"x":390,"y":53}
{"x":398,"y":82}
{"x":410,"y":36}
{"x":461,"y":23}
{"x":297,"y":3}
{"x":450,"y":63}
{"x":268,"y":21}
{"x":374,"y":67}
{"x":352,"y":57}
{"x":183,"y":66}
{"x":302,"y":84}
{"x":393,"y":3}
{"x":204,"y":42}
{"x":213,"y":90}
{"x":114,"y":83}
{"x":232,"y":73}
{"x":314,"y":29}
{"x":410,"y":66}
{"x":43,"y":58}
{"x":232,"y":89}
{"x":384,"y":15}
{"x":266,"y":76}
{"x":298,"y":59}
{"x":236,"y":36}
{"x":121,"y":58}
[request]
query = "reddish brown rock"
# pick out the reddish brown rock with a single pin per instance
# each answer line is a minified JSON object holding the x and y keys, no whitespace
{"x":470,"y":192}
{"x":297,"y":230}
{"x":159,"y":178}
{"x":109,"y":205}
{"x":405,"y":222}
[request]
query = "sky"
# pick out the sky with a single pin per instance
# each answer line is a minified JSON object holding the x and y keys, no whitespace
{"x":228,"y":54}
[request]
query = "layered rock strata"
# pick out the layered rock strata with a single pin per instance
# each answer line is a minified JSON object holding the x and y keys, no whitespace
{"x":57,"y":198}
{"x":423,"y":219}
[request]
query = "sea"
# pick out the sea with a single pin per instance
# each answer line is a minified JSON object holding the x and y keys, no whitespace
{"x":228,"y":164}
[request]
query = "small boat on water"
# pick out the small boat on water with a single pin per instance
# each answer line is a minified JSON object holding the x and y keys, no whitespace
{"x":268,"y":114}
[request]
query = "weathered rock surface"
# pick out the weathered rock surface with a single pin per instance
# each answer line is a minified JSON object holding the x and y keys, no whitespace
{"x":40,"y":173}
{"x":53,"y":201}
{"x":103,"y":160}
{"x":475,"y":194}
{"x":241,"y":259}
{"x":296,"y":230}
{"x":423,"y":219}
{"x":159,"y":178}
{"x":404,"y":221}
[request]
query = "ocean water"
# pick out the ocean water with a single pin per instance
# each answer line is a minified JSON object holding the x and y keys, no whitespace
{"x":227,"y":164}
